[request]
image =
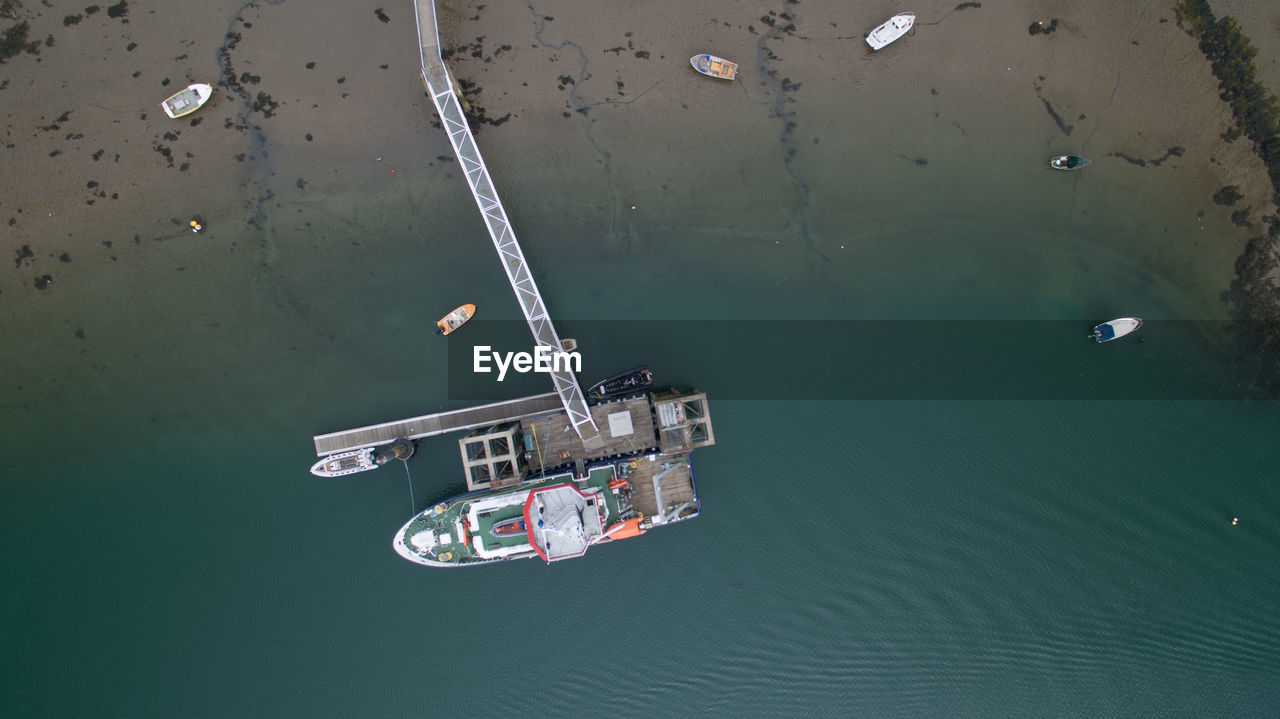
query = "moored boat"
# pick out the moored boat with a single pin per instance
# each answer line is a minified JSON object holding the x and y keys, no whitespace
{"x":1116,"y":328}
{"x":713,"y":66}
{"x":892,"y":29}
{"x":343,"y":463}
{"x":552,"y":518}
{"x":455,"y":319}
{"x":623,"y":383}
{"x":1068,"y":162}
{"x":534,"y":491}
{"x":188,"y":100}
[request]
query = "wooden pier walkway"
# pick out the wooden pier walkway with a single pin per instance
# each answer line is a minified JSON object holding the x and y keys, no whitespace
{"x":430,"y":425}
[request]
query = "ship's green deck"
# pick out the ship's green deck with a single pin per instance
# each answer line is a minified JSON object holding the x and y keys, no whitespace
{"x":486,"y":523}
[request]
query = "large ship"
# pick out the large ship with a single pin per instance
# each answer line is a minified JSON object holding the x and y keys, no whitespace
{"x":551,"y":518}
{"x":535,"y":490}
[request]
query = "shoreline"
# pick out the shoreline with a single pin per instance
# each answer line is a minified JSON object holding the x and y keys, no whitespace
{"x":1254,"y":290}
{"x":795,"y":99}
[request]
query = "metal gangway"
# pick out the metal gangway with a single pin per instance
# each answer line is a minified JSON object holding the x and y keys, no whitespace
{"x":440,"y":87}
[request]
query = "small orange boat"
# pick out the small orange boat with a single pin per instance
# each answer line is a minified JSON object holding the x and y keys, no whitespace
{"x":513,"y":527}
{"x":633,"y":527}
{"x":455,"y":319}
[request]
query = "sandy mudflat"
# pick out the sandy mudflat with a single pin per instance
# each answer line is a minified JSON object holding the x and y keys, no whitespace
{"x":795,"y":173}
{"x":100,"y":185}
{"x":99,"y":163}
{"x":835,"y":136}
{"x":102,"y":164}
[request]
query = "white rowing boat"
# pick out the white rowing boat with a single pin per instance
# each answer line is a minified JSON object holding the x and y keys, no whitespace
{"x":892,"y":29}
{"x":187,"y":100}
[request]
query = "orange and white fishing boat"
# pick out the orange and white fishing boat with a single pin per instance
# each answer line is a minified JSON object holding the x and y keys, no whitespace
{"x":713,"y":66}
{"x":455,"y":319}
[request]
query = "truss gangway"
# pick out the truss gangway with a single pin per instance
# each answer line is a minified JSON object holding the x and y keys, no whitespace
{"x":440,"y":87}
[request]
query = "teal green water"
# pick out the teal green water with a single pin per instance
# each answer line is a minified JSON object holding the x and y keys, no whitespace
{"x":167,"y":553}
{"x":887,"y":558}
{"x":938,"y":550}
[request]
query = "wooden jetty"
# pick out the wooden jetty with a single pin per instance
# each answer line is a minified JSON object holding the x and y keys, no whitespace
{"x":669,"y":423}
{"x":430,"y":425}
{"x":533,"y":436}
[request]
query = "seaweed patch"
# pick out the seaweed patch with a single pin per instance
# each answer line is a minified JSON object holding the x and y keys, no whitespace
{"x":1043,"y":28}
{"x":1066,"y":129}
{"x":1175,"y":151}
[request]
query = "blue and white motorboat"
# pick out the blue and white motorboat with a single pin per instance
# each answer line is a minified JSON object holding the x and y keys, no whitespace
{"x":1113,"y":329}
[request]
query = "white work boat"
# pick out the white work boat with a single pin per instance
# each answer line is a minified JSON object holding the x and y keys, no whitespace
{"x":1113,"y":329}
{"x":892,"y":29}
{"x":187,"y":100}
{"x":344,"y":463}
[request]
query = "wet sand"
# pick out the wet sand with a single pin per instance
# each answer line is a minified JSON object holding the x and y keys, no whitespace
{"x":318,"y":142}
{"x":820,"y":144}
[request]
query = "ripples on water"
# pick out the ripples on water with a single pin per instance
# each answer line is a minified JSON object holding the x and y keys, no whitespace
{"x":968,"y":557}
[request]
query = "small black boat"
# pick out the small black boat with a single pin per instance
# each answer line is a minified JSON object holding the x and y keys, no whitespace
{"x":631,"y":381}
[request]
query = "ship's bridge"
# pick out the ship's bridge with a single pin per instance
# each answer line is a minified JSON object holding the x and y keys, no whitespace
{"x":562,"y":521}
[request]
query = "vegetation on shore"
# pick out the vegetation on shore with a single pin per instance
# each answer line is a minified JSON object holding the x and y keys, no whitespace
{"x":13,"y":41}
{"x":1255,"y":291}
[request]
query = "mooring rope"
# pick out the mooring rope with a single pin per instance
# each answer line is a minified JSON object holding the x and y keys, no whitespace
{"x":413,"y":503}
